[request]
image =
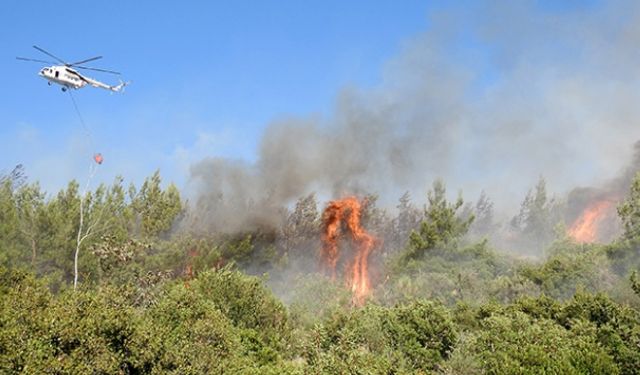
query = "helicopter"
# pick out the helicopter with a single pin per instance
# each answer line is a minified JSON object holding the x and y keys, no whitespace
{"x":67,"y":76}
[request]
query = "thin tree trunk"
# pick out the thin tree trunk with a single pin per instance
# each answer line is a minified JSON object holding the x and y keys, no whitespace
{"x":82,"y":236}
{"x":78,"y":242}
{"x":33,"y":252}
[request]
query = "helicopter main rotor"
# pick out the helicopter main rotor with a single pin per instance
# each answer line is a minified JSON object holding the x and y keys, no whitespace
{"x":68,"y":65}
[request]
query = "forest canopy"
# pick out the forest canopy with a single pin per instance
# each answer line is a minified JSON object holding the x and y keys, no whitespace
{"x":452,"y":289}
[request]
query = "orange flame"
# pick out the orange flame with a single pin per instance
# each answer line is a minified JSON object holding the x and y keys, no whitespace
{"x":585,"y":228}
{"x":188,"y":272}
{"x":348,"y":211}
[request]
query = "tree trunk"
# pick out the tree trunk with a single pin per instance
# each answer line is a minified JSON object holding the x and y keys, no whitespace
{"x":33,"y":253}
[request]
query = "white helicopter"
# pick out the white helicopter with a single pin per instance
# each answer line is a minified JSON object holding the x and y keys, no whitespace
{"x":68,"y":77}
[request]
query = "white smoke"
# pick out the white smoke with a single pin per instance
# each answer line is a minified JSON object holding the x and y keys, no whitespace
{"x":488,"y":98}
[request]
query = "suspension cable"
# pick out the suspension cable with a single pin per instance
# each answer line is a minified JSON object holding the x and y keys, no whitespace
{"x":84,"y":125}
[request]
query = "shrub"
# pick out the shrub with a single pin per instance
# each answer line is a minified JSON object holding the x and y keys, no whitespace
{"x":515,"y":343}
{"x":375,"y":339}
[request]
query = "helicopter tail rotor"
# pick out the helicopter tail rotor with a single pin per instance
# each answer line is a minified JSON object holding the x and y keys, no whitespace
{"x":120,"y":87}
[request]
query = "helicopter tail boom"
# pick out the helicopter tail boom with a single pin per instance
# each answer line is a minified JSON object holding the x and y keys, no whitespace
{"x":119,"y":87}
{"x":95,"y":83}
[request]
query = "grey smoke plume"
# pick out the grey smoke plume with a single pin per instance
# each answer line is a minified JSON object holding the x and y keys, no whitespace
{"x":489,"y":97}
{"x":615,"y":189}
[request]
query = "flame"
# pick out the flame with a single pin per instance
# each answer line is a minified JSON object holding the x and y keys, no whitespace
{"x":188,"y":272}
{"x":348,"y":211}
{"x":585,"y":228}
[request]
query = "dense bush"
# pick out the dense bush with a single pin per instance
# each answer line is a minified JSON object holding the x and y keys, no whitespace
{"x":377,"y":339}
{"x":515,"y":343}
{"x":569,"y":268}
{"x":188,"y":329}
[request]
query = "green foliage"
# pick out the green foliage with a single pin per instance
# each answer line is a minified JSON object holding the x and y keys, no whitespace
{"x":536,"y":220}
{"x":159,"y":298}
{"x":315,"y":298}
{"x":375,"y":339}
{"x":617,"y":327}
{"x":301,"y":226}
{"x":572,"y":267}
{"x":24,"y":304}
{"x":635,"y":284}
{"x":441,"y":224}
{"x":246,"y":303}
{"x":186,"y":333}
{"x":42,"y":233}
{"x":614,"y":327}
{"x":30,"y":212}
{"x":472,"y":273}
{"x":9,"y":242}
{"x":629,"y":211}
{"x":73,"y":333}
{"x":63,"y":212}
{"x":200,"y":328}
{"x":155,"y":209}
{"x":515,"y":343}
{"x":122,"y":263}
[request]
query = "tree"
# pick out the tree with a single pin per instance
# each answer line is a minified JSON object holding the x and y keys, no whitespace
{"x":17,"y":177}
{"x":408,"y":219}
{"x":61,"y":228}
{"x":629,"y":211}
{"x":29,"y":203}
{"x":155,"y":209}
{"x":302,"y":226}
{"x":105,"y":210}
{"x":442,"y":224}
{"x":483,"y":223}
{"x":9,"y":249}
{"x":537,"y":218}
{"x":635,"y":284}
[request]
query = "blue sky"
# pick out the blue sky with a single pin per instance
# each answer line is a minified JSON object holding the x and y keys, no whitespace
{"x":207,"y":77}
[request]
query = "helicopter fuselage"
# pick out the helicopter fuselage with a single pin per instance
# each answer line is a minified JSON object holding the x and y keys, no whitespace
{"x":63,"y":76}
{"x":69,"y":78}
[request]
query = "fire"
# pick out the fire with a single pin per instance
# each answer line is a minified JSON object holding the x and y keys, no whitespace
{"x":585,"y":228}
{"x":348,"y":211}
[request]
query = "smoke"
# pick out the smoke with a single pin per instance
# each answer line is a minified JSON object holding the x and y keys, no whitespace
{"x":489,"y":98}
{"x":614,"y":189}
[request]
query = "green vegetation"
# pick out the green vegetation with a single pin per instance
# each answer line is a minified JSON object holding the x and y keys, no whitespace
{"x":157,"y":296}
